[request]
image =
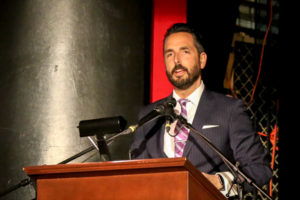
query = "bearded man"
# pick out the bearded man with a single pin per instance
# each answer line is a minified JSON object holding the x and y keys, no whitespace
{"x":223,"y":120}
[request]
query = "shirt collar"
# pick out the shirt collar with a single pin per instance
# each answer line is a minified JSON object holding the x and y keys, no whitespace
{"x":194,"y":98}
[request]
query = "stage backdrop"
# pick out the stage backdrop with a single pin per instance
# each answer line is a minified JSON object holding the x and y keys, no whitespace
{"x":62,"y":62}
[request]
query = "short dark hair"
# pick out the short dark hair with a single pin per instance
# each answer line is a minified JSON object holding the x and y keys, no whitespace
{"x":182,"y":27}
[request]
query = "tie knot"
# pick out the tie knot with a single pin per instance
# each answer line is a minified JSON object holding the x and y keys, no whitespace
{"x":182,"y":103}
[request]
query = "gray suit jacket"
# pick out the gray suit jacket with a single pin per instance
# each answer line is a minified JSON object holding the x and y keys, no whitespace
{"x":231,"y":132}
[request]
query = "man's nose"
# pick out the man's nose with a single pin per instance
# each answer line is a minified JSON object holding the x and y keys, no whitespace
{"x":177,"y":58}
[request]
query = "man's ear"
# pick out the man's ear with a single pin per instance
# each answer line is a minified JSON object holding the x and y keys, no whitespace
{"x":203,"y":60}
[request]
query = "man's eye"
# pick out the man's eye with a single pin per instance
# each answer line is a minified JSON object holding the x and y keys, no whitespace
{"x":169,"y":54}
{"x":186,"y":51}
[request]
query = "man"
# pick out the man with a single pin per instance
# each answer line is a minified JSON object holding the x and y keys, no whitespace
{"x":223,"y":120}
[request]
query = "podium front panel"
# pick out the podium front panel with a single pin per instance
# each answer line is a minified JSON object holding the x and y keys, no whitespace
{"x":160,"y":185}
{"x":155,"y":179}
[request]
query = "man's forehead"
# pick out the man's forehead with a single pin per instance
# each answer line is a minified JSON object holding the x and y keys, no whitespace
{"x":179,"y":40}
{"x":179,"y":37}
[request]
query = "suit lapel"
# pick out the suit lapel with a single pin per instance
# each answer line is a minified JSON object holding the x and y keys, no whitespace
{"x":198,"y":121}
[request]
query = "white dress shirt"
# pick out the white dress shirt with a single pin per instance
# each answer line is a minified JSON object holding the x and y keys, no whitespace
{"x":169,"y":144}
{"x":191,"y":108}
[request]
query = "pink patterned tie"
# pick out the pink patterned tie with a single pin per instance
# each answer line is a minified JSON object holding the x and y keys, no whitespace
{"x":181,"y":131}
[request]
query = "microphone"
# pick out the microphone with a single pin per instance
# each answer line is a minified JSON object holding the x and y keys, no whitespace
{"x":163,"y":109}
{"x":170,"y":102}
{"x":156,"y":112}
{"x":169,"y":113}
{"x":106,"y":125}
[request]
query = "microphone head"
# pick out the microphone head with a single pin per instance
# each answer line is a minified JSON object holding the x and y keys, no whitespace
{"x":171,"y":101}
{"x":101,"y":126}
{"x":166,"y":105}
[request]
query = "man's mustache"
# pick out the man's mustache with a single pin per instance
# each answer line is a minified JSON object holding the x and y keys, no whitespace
{"x":179,"y":66}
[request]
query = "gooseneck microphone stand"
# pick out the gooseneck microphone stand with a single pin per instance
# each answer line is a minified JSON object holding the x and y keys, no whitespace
{"x":239,"y":177}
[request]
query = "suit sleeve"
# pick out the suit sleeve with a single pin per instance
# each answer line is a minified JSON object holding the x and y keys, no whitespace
{"x":246,"y":146}
{"x":137,"y":148}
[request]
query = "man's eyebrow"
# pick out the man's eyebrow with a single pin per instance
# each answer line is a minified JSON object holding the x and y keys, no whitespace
{"x":184,"y":48}
{"x":181,"y":48}
{"x":168,"y":50}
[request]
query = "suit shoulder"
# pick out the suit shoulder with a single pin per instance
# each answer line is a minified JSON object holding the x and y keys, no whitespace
{"x":224,"y":99}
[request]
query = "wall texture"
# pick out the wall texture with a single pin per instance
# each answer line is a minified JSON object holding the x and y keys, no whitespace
{"x":62,"y":62}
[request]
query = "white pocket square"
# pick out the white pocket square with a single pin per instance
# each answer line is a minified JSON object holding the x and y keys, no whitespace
{"x":209,"y":126}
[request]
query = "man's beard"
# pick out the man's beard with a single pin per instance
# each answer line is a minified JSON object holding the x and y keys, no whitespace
{"x":187,"y":82}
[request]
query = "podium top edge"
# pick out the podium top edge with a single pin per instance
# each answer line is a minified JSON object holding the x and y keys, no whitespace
{"x":108,"y":166}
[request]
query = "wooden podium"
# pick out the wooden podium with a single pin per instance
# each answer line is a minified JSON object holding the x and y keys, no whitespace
{"x":161,"y":179}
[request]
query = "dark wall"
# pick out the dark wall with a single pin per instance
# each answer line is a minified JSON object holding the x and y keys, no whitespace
{"x":289,"y":137}
{"x":62,"y":62}
{"x":215,"y":21}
